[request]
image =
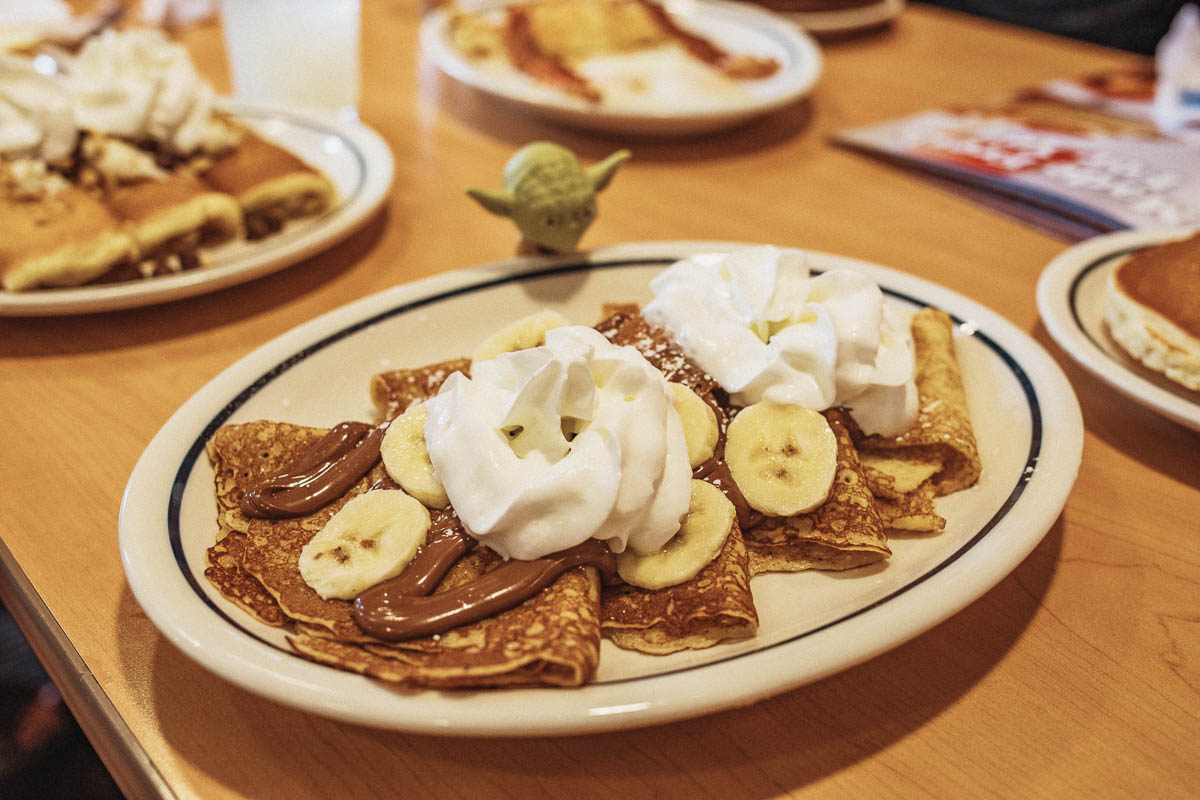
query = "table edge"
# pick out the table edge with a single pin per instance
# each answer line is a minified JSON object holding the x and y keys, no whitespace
{"x":123,"y":755}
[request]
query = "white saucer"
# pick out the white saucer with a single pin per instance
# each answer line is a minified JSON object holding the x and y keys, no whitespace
{"x":354,"y":157}
{"x":1070,"y":298}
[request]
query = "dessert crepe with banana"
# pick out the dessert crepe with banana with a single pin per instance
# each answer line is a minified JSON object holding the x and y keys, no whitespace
{"x":694,"y":591}
{"x":261,"y":564}
{"x":772,"y":332}
{"x":569,"y":482}
{"x":807,"y":509}
{"x":938,"y":454}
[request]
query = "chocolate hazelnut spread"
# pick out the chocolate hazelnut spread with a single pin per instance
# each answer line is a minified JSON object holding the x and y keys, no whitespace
{"x":325,"y":472}
{"x":395,"y":617}
{"x":445,"y":543}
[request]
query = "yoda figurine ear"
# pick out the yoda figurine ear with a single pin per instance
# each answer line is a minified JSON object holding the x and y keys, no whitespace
{"x":549,"y":195}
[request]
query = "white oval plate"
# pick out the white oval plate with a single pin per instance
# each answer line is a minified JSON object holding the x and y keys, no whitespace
{"x":677,"y":109}
{"x":1070,"y":298}
{"x":1026,"y":418}
{"x":354,"y":157}
{"x":847,"y":20}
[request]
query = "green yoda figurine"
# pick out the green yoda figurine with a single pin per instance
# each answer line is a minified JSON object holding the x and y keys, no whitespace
{"x":549,"y":195}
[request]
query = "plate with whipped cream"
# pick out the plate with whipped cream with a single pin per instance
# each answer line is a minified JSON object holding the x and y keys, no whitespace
{"x":125,"y":181}
{"x":627,"y":66}
{"x":606,"y":496}
{"x":1126,"y":306}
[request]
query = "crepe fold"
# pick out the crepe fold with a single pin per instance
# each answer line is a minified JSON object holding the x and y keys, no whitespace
{"x":842,"y":533}
{"x":394,"y":391}
{"x":713,"y":606}
{"x":553,"y":638}
{"x":938,"y":455}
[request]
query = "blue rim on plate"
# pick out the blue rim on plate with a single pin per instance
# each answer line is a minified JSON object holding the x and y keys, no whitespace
{"x":1070,"y":299}
{"x":167,"y":515}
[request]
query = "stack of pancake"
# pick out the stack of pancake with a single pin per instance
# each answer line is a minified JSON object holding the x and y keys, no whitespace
{"x":882,"y":484}
{"x":121,"y":210}
{"x":1152,"y":308}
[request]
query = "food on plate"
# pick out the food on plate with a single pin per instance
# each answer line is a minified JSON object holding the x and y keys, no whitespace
{"x":171,"y":219}
{"x":1152,"y":308}
{"x":63,"y":238}
{"x":270,"y":184}
{"x":577,"y":46}
{"x":550,"y":196}
{"x":504,"y":515}
{"x":124,"y":138}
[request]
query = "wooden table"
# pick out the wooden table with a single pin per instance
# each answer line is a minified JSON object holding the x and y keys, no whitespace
{"x":1078,"y":675}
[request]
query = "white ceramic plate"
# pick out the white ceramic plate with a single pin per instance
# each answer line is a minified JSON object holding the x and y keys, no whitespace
{"x":847,"y":20}
{"x":1026,"y":418}
{"x":1070,"y":298}
{"x":354,"y":157}
{"x":669,"y":102}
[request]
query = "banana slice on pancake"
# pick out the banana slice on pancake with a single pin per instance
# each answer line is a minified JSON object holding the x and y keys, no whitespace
{"x":699,"y":540}
{"x":406,"y":458}
{"x":526,"y":332}
{"x":699,"y":424}
{"x":369,"y":540}
{"x":782,"y":456}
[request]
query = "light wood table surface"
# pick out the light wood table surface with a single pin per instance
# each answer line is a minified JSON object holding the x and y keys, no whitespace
{"x":1077,"y":676}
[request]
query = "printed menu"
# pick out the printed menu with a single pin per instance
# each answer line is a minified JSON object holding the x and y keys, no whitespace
{"x":1078,"y":157}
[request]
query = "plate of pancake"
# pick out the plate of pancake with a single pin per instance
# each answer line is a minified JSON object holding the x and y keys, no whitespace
{"x":295,"y":184}
{"x":1125,"y":306}
{"x":918,"y":526}
{"x":626,"y":66}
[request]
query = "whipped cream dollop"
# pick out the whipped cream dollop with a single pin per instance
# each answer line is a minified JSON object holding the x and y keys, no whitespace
{"x":542,"y":449}
{"x":139,"y":85}
{"x":766,"y":329}
{"x":37,"y":119}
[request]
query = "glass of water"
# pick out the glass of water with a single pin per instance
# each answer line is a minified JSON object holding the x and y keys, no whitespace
{"x":295,"y":52}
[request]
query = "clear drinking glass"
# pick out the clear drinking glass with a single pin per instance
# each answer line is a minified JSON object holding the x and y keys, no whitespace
{"x":296,"y":52}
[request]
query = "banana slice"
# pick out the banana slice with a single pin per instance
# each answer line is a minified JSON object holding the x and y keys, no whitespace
{"x":407,"y":461}
{"x":372,"y":538}
{"x":700,"y":539}
{"x":782,"y":456}
{"x":699,"y":424}
{"x":526,"y":332}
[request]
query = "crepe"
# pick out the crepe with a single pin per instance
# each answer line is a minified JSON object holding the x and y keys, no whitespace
{"x":553,"y":638}
{"x":942,"y":435}
{"x":395,"y":390}
{"x":242,"y":456}
{"x":713,"y":606}
{"x":845,"y":532}
{"x":270,"y":184}
{"x":62,"y":239}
